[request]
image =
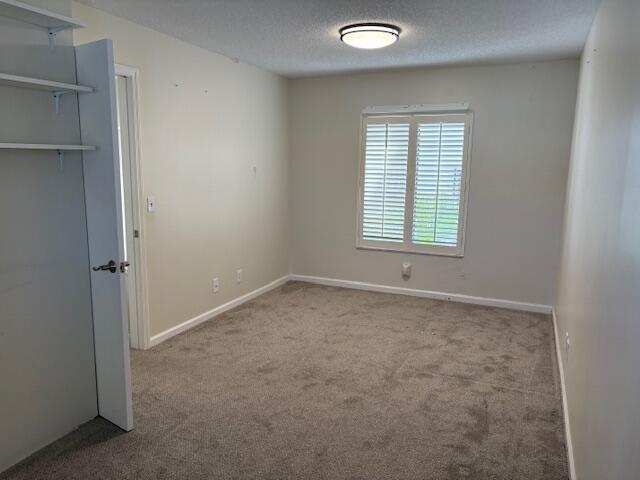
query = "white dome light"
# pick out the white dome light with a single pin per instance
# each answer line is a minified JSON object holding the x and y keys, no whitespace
{"x":369,"y":35}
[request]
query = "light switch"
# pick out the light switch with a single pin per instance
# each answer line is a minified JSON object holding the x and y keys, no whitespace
{"x":151,"y":204}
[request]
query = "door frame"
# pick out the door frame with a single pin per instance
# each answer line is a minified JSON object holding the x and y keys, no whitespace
{"x":142,"y":339}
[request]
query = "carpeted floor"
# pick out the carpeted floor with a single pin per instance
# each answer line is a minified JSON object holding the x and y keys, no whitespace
{"x":313,"y":382}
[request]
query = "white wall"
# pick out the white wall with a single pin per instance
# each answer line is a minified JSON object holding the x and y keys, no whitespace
{"x":599,"y":291}
{"x":47,"y":372}
{"x":523,"y":118}
{"x":205,"y":123}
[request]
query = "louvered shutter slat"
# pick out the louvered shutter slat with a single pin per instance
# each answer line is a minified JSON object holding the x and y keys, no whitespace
{"x":438,"y":183}
{"x":385,"y":181}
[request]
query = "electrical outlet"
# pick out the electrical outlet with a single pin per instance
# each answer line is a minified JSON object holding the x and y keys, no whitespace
{"x":215,"y":285}
{"x":239,"y":275}
{"x":406,"y":270}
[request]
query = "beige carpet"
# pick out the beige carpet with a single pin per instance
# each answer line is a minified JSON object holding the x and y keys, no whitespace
{"x":312,"y":382}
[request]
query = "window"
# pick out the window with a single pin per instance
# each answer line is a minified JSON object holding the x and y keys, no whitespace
{"x":413,"y":182}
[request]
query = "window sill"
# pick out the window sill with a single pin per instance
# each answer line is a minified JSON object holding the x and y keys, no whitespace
{"x":410,"y":251}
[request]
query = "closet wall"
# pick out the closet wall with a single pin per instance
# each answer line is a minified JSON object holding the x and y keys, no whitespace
{"x":46,"y":341}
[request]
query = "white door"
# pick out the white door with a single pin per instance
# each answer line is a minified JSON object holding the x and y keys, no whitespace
{"x":98,"y":125}
{"x":128,"y":188}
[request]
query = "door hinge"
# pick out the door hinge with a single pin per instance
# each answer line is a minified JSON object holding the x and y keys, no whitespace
{"x":136,"y":233}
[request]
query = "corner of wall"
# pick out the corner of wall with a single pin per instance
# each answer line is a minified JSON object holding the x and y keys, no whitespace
{"x":565,"y":402}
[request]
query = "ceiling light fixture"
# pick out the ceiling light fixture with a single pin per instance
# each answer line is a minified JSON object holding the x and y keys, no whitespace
{"x":369,"y":35}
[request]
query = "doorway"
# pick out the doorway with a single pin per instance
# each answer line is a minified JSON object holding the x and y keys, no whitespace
{"x":131,"y":190}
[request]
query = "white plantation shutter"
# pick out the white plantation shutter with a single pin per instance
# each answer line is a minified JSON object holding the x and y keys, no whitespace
{"x":438,"y":183}
{"x":413,"y":182}
{"x":385,"y":181}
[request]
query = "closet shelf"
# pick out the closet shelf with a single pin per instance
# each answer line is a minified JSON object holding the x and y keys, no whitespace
{"x":44,"y":146}
{"x":41,"y":84}
{"x":51,"y":21}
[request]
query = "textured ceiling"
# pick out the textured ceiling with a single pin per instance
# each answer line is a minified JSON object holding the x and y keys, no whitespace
{"x":300,"y":37}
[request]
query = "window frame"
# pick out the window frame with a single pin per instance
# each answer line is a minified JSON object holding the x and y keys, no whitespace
{"x":412,"y":117}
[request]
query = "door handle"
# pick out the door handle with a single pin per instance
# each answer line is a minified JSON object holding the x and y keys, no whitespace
{"x":123,"y":266}
{"x":111,"y":267}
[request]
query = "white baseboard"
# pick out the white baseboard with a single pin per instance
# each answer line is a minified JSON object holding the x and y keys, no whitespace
{"x":565,"y":405}
{"x":453,"y":297}
{"x":173,"y":331}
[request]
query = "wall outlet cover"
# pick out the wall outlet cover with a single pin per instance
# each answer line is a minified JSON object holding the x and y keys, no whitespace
{"x":406,"y":270}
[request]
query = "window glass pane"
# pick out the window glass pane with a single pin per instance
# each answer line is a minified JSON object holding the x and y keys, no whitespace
{"x":385,"y":181}
{"x":438,"y":183}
